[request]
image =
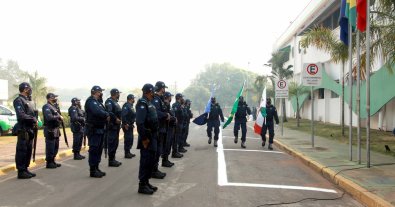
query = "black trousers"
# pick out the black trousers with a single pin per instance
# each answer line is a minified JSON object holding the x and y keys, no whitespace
{"x":24,"y":148}
{"x":213,"y":124}
{"x":147,"y":158}
{"x":243,"y":126}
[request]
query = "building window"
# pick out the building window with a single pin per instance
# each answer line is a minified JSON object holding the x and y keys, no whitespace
{"x":334,"y":95}
{"x":321,"y":93}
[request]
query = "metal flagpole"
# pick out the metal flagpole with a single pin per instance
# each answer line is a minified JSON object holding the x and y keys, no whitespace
{"x":350,"y":85}
{"x":368,"y":83}
{"x":312,"y":117}
{"x":358,"y":96}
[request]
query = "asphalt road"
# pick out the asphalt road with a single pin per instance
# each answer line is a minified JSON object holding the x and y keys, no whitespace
{"x":206,"y":176}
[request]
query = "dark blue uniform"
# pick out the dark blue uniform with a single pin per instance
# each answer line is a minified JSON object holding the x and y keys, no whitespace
{"x":171,"y":131}
{"x":180,"y":127}
{"x":213,"y":120}
{"x":162,"y":118}
{"x":115,"y":111}
{"x":128,"y":117}
{"x":51,"y":131}
{"x":77,"y":124}
{"x":26,"y":117}
{"x":268,"y":124}
{"x":147,"y":128}
{"x":96,"y":116}
{"x":241,"y":121}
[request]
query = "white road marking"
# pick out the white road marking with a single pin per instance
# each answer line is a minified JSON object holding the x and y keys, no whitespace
{"x":241,"y":150}
{"x":223,"y":177}
{"x":246,"y":137}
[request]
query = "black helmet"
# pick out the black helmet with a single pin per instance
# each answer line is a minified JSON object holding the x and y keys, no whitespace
{"x":147,"y":88}
{"x":24,"y":85}
{"x":159,"y":85}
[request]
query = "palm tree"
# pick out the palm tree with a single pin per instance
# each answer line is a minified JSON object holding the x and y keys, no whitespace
{"x":278,"y":61}
{"x":259,"y":85}
{"x":296,"y":90}
{"x":39,"y":87}
{"x":324,"y":39}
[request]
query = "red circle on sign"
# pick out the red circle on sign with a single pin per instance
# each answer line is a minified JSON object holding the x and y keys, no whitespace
{"x":281,"y":84}
{"x":312,"y":69}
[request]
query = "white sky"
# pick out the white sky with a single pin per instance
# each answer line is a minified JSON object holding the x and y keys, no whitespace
{"x":80,"y":43}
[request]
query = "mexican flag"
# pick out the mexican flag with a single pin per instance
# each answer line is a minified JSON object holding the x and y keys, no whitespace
{"x":234,"y":108}
{"x":261,"y":114}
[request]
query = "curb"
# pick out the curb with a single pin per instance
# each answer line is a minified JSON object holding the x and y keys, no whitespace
{"x":39,"y":161}
{"x":359,"y":193}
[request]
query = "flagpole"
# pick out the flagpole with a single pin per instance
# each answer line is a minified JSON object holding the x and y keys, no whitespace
{"x":350,"y":85}
{"x":358,"y":97}
{"x":368,"y":83}
{"x":312,"y":117}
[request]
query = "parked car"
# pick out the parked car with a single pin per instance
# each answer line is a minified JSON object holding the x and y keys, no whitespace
{"x":7,"y":120}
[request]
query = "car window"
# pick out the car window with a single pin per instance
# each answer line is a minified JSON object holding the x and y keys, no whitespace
{"x":4,"y":111}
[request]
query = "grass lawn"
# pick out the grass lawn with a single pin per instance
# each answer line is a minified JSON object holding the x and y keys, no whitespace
{"x":332,"y":131}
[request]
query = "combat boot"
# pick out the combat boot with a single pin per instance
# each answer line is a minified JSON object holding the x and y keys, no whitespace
{"x":114,"y":163}
{"x":270,"y":147}
{"x":24,"y":175}
{"x":187,"y":144}
{"x":32,"y":174}
{"x":101,"y":172}
{"x":166,"y":162}
{"x":176,"y":155}
{"x":158,"y":174}
{"x":77,"y":156}
{"x":263,"y":143}
{"x":57,"y":164}
{"x":243,"y":145}
{"x":94,"y":173}
{"x":182,"y":150}
{"x":129,"y":155}
{"x":236,"y":139}
{"x":215,"y":143}
{"x":154,"y":188}
{"x":51,"y":165}
{"x":209,"y":140}
{"x":145,"y":189}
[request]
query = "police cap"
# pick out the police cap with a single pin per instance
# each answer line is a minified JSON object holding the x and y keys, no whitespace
{"x":167,"y":94}
{"x":179,"y":95}
{"x":75,"y":100}
{"x":147,"y":88}
{"x":159,"y":85}
{"x":51,"y":95}
{"x":96,"y":88}
{"x":114,"y":91}
{"x":188,"y":101}
{"x":23,"y":85}
{"x":130,"y":96}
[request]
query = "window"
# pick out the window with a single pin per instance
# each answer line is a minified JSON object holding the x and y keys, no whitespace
{"x":321,"y":93}
{"x":334,"y":95}
{"x":4,"y":111}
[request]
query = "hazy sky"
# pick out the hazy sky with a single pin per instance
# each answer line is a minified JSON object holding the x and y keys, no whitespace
{"x":79,"y":43}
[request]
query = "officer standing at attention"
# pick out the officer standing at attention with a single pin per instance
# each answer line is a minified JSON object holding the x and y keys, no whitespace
{"x":114,"y":127}
{"x":214,"y":121}
{"x":171,"y":124}
{"x":268,"y":124}
{"x":96,"y":119}
{"x":128,"y":119}
{"x":77,"y":124}
{"x":178,"y":145}
{"x":27,"y":122}
{"x":189,"y":117}
{"x":240,"y":120}
{"x":147,"y":128}
{"x":52,"y":120}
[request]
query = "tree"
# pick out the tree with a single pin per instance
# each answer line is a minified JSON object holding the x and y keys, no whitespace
{"x":296,"y":90}
{"x":259,"y":85}
{"x":13,"y":74}
{"x":39,"y":87}
{"x":279,"y":72}
{"x":324,"y":39}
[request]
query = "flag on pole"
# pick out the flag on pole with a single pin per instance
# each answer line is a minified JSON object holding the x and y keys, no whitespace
{"x":234,"y":108}
{"x":202,"y":119}
{"x":261,"y":114}
{"x":352,"y":13}
{"x":361,"y":15}
{"x":343,"y":22}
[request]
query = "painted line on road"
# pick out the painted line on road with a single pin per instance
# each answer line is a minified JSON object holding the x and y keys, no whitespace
{"x":223,"y":175}
{"x":246,"y":137}
{"x":241,"y":150}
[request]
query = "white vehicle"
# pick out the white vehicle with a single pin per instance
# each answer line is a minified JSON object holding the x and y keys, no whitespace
{"x":7,"y":120}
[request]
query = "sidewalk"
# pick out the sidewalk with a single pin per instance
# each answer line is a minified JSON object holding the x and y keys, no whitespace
{"x":373,"y":186}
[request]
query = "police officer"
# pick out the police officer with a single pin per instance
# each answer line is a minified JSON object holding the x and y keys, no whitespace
{"x":175,"y":127}
{"x":128,"y":119}
{"x":114,"y":127}
{"x":180,"y":113}
{"x":188,"y":121}
{"x":171,"y":124}
{"x":27,"y":122}
{"x":241,"y":121}
{"x":163,"y":117}
{"x":52,"y":121}
{"x":214,"y":121}
{"x":147,"y":128}
{"x":268,"y":124}
{"x":77,"y":124}
{"x":96,"y":119}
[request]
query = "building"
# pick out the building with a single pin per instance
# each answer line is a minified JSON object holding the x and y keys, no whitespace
{"x":3,"y":92}
{"x":327,"y":100}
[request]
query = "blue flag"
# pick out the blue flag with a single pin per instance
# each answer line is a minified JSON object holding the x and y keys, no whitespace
{"x":343,"y":22}
{"x":202,"y":119}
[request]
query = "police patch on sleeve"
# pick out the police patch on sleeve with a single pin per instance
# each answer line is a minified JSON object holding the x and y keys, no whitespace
{"x":142,"y":106}
{"x":156,"y":100}
{"x":95,"y":103}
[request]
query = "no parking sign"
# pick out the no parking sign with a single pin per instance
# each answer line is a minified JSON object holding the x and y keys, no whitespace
{"x":281,"y":89}
{"x":312,"y":74}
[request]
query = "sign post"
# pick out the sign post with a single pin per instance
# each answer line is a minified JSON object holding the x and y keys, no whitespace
{"x":312,"y":76}
{"x":281,"y":92}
